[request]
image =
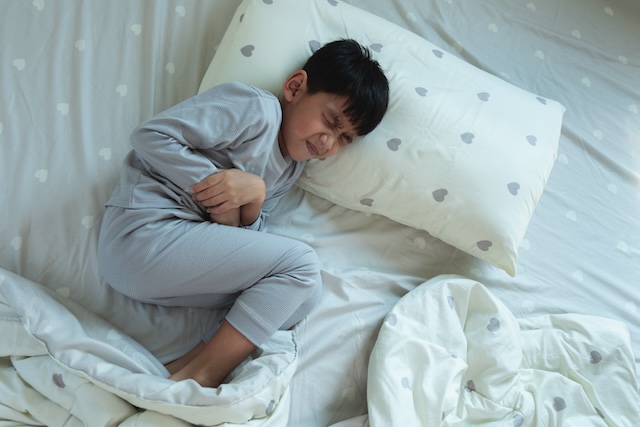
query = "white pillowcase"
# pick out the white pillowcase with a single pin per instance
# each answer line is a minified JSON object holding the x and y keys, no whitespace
{"x":460,"y":153}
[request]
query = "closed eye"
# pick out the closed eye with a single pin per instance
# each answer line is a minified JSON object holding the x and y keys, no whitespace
{"x":346,"y":139}
{"x":335,"y":126}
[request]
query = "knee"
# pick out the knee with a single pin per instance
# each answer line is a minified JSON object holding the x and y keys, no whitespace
{"x":308,"y":258}
{"x":310,"y":266}
{"x":306,"y":265}
{"x":309,"y":285}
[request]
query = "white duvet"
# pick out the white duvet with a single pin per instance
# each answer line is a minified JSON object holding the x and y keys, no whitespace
{"x":451,"y":354}
{"x":62,"y":365}
{"x":448,"y":354}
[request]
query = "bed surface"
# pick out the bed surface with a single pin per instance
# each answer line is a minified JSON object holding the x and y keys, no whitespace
{"x":77,"y":77}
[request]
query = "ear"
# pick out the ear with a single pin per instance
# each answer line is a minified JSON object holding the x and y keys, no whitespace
{"x":294,"y":85}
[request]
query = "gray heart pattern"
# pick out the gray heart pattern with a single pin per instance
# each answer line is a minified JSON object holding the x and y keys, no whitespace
{"x":439,"y":194}
{"x":270,"y":407}
{"x":518,"y":420}
{"x":247,"y":50}
{"x":559,"y":404}
{"x":394,"y":144}
{"x":58,"y":381}
{"x":484,"y":245}
{"x":391,"y":319}
{"x":421,"y":91}
{"x":484,"y":96}
{"x":494,"y":325}
{"x":405,"y":383}
{"x":470,"y":387}
{"x":467,"y":137}
{"x":513,"y":188}
{"x":367,"y":202}
{"x":314,"y":45}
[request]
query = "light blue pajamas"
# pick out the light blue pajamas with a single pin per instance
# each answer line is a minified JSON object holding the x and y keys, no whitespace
{"x":156,"y":244}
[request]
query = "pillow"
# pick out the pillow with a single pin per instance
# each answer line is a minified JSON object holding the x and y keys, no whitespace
{"x":460,"y":153}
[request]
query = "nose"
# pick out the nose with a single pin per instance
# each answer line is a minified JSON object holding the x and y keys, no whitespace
{"x":327,"y":141}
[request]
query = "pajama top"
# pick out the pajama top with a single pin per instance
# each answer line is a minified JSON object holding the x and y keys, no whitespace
{"x":231,"y":125}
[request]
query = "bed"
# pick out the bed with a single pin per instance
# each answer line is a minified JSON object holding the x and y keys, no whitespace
{"x":423,"y":321}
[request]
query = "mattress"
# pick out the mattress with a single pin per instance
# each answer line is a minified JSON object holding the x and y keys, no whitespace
{"x":78,"y":76}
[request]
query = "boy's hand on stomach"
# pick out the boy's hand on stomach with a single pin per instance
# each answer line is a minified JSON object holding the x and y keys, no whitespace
{"x":231,"y":190}
{"x":228,"y":189}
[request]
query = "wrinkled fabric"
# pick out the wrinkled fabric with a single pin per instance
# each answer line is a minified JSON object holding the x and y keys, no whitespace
{"x":451,"y":354}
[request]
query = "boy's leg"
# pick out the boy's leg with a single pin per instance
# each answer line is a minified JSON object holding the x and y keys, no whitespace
{"x":217,"y":358}
{"x":175,"y":365}
{"x":269,"y":282}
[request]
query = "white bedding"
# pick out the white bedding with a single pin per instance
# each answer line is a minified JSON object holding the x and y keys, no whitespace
{"x":450,"y":353}
{"x":97,"y":375}
{"x":76,"y":78}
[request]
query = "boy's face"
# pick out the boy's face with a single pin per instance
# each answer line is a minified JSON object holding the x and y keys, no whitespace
{"x":313,"y":126}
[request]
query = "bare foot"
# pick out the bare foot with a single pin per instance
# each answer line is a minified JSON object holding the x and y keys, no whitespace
{"x":210,"y":364}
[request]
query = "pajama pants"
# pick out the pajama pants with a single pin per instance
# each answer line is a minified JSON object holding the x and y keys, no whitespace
{"x":173,"y":258}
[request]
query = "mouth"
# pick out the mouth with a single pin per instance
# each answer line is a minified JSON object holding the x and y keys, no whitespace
{"x":312,"y":149}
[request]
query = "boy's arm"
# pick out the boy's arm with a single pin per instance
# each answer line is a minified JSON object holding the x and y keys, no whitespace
{"x":249,"y":213}
{"x":258,"y":211}
{"x":230,"y":217}
{"x":181,"y":144}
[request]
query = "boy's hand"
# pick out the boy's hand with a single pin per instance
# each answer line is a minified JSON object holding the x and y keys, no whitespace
{"x":230,"y":189}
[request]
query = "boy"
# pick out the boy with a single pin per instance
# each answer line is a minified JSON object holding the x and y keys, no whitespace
{"x":182,"y":226}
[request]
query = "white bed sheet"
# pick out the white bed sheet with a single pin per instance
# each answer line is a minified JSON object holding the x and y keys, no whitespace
{"x":78,"y":76}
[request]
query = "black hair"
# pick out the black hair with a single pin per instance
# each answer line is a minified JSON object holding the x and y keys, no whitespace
{"x":344,"y":67}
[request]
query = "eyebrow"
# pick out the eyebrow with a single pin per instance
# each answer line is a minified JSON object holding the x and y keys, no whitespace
{"x":335,"y":117}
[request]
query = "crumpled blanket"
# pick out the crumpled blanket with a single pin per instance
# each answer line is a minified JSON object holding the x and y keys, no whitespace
{"x":62,"y":365}
{"x":451,"y":354}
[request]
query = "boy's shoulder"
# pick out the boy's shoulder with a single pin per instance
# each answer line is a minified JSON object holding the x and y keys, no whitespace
{"x":244,"y":103}
{"x":234,"y":89}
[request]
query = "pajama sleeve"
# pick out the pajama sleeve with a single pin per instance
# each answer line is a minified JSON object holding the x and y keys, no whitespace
{"x":187,"y":142}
